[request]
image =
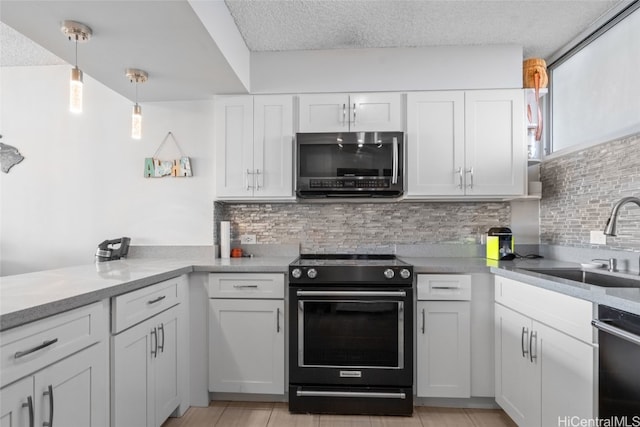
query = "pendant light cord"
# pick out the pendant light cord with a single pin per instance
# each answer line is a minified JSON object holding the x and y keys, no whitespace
{"x":76,"y":51}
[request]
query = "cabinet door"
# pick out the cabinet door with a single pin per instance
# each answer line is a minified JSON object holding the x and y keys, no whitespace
{"x":517,"y":382}
{"x":495,"y":146}
{"x":566,"y":369}
{"x":234,"y":146}
{"x":79,"y":387}
{"x":273,"y":146}
{"x":132,"y":385}
{"x":375,"y":112}
{"x":443,"y":349}
{"x":435,"y":151}
{"x":324,"y":113}
{"x":167,"y":384}
{"x":246,"y":339}
{"x":14,"y":401}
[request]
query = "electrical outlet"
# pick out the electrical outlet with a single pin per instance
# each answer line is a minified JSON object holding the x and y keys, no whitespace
{"x":598,"y":238}
{"x":248,"y":239}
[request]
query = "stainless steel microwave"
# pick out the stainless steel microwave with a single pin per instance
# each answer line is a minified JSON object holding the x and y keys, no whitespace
{"x":350,"y":164}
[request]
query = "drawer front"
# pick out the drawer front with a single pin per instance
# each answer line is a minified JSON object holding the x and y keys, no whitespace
{"x":444,"y":287}
{"x":31,"y":347}
{"x":565,"y":313}
{"x":134,"y":307}
{"x":257,"y":285}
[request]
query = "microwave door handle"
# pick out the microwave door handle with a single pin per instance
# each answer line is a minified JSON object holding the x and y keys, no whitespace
{"x":394,"y":178}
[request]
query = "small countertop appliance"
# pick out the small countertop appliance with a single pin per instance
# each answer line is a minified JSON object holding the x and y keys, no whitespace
{"x":500,"y":244}
{"x":110,"y":250}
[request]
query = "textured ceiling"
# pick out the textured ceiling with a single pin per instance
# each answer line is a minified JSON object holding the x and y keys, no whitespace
{"x":168,"y":39}
{"x":18,"y":50}
{"x":541,"y":27}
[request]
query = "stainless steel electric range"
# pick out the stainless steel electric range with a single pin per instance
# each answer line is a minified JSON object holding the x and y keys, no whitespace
{"x":351,"y":335}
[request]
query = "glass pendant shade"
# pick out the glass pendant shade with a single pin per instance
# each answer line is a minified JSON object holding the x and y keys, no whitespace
{"x":75,"y":91}
{"x":136,"y":122}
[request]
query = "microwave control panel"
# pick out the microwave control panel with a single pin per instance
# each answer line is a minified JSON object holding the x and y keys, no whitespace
{"x":349,"y":183}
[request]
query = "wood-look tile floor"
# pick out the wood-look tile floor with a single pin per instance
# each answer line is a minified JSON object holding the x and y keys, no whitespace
{"x":269,"y":414}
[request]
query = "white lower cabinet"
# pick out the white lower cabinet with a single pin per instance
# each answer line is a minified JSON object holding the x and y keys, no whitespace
{"x":247,"y":333}
{"x":443,"y":344}
{"x":71,"y":391}
{"x":145,"y":361}
{"x":544,"y":371}
{"x":145,"y":371}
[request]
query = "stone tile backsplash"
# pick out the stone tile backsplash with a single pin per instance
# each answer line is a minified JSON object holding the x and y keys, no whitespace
{"x":580,"y":188}
{"x":362,"y":227}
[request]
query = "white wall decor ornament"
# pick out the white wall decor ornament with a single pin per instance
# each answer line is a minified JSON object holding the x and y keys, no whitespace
{"x":156,"y":168}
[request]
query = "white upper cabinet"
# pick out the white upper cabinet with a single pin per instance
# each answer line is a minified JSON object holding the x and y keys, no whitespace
{"x":435,"y":152}
{"x":495,"y":148}
{"x":350,"y":112}
{"x":466,"y":143}
{"x":254,"y":147}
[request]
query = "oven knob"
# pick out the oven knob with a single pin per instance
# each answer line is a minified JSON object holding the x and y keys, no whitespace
{"x":405,"y":273}
{"x":296,"y":273}
{"x":312,"y":273}
{"x":388,"y":273}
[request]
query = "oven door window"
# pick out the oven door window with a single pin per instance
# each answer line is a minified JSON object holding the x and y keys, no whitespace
{"x":350,"y":334}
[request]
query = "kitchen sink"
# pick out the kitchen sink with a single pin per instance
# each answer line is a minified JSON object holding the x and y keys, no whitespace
{"x":590,"y":277}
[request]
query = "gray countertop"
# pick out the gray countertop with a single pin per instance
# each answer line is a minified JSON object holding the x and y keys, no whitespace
{"x":627,"y":299}
{"x":33,"y":296}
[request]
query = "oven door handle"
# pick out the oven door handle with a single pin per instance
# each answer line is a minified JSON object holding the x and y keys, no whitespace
{"x":351,"y":293}
{"x":620,"y":333}
{"x":379,"y":395}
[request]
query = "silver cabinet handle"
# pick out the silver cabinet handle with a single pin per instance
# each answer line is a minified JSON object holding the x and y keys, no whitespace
{"x":257,"y":179}
{"x":154,"y":342}
{"x":248,"y":187}
{"x":354,"y":113}
{"x":525,"y":332}
{"x":460,"y":177}
{"x":49,"y":393}
{"x":423,"y":321}
{"x":29,"y":404}
{"x":278,"y":320}
{"x":351,"y":293}
{"x":245,"y":286}
{"x":153,"y":301}
{"x":620,"y":333}
{"x":45,"y":344}
{"x":344,"y":113}
{"x":446,"y":287}
{"x":394,"y":179}
{"x":319,"y":393}
{"x":470,"y":172}
{"x":161,"y":346}
{"x":532,"y":336}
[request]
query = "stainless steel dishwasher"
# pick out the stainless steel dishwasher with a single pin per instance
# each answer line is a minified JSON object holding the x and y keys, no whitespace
{"x":619,"y":355}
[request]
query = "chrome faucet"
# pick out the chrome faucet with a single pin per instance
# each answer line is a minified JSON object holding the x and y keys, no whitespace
{"x":610,"y":229}
{"x":613,"y":263}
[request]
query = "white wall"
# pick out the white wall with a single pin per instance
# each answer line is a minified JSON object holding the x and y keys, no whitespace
{"x":390,"y":69}
{"x":82,"y":177}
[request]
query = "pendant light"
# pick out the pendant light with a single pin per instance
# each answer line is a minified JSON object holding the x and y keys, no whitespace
{"x":136,"y":76}
{"x":76,"y":32}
